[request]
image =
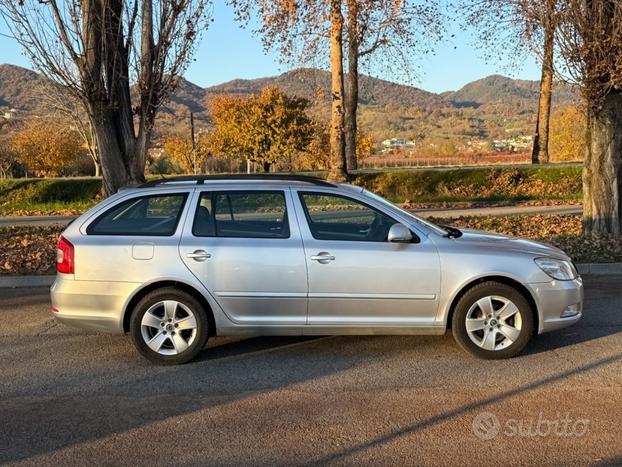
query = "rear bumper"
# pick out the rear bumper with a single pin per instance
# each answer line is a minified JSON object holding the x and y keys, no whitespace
{"x":93,"y":305}
{"x":553,"y":298}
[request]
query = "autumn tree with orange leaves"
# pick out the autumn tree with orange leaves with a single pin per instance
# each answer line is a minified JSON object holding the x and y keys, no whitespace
{"x":264,"y":128}
{"x":317,"y":154}
{"x":46,"y":148}
{"x":179,"y":149}
{"x":567,"y":128}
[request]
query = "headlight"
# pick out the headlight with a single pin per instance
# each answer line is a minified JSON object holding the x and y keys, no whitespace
{"x":557,"y":268}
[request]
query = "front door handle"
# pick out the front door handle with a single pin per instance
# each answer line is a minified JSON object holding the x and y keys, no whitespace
{"x":199,"y":255}
{"x":323,"y":257}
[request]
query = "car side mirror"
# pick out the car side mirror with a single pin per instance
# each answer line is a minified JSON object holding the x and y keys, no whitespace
{"x":399,"y":233}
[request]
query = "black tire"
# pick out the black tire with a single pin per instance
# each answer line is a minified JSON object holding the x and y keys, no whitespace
{"x":489,"y":289}
{"x":198,"y":339}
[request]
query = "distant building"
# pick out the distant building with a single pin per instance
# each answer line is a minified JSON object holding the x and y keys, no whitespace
{"x":397,"y":143}
{"x":9,"y":114}
{"x":156,"y":151}
{"x":518,"y":144}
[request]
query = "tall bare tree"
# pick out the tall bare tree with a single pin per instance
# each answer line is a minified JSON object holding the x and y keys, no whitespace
{"x":338,"y":169}
{"x":376,"y":34}
{"x":299,"y":30}
{"x":508,"y":30}
{"x":352,"y":92}
{"x":385,"y":34}
{"x":589,"y":38}
{"x":545,"y":17}
{"x":103,"y":51}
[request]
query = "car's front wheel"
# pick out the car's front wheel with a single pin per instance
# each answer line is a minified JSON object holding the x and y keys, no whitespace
{"x":169,"y":326}
{"x":493,"y":320}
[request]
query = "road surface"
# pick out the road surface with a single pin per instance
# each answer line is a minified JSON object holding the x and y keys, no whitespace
{"x":74,"y":397}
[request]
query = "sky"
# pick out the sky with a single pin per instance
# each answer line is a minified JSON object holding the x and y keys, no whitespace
{"x":227,"y":51}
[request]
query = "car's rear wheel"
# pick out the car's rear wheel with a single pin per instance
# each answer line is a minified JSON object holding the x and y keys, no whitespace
{"x":493,"y":320}
{"x":169,"y":326}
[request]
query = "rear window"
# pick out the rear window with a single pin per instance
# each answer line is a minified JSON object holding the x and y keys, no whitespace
{"x":245,"y":214}
{"x":152,"y":215}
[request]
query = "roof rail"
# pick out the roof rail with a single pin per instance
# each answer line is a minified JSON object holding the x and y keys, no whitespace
{"x":201,"y":179}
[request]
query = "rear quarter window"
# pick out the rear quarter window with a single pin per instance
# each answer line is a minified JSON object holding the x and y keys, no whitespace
{"x":150,"y":215}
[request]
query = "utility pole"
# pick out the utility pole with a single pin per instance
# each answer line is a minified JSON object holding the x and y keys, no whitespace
{"x":194,"y":147}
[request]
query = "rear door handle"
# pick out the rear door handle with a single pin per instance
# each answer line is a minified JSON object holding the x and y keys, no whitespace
{"x":323,"y":257}
{"x":199,"y":255}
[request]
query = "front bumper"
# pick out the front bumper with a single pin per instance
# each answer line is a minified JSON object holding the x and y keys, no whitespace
{"x":553,"y":298}
{"x":93,"y":305}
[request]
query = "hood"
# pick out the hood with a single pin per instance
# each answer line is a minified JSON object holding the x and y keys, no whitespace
{"x":505,"y":242}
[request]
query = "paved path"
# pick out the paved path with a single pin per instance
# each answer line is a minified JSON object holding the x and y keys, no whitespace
{"x":35,"y":220}
{"x":433,"y":212}
{"x":499,"y":211}
{"x":71,"y":397}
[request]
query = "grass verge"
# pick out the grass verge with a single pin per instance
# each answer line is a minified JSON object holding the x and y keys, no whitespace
{"x":416,"y":187}
{"x":48,"y":196}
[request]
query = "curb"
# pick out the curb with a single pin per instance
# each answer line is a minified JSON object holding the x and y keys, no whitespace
{"x":11,"y":282}
{"x":600,"y":268}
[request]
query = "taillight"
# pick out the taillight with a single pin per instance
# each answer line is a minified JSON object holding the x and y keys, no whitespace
{"x":64,"y":256}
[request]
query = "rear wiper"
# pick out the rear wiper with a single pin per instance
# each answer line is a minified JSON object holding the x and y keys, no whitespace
{"x":452,"y":232}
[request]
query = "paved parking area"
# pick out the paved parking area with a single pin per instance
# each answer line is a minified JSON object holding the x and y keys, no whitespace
{"x":74,"y":397}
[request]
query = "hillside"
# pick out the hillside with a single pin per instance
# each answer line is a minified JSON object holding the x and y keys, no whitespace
{"x":314,"y":84}
{"x":482,"y":109}
{"x":497,"y":88}
{"x":20,"y":89}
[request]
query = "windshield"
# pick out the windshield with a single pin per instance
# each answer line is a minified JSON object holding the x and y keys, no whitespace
{"x":438,"y":229}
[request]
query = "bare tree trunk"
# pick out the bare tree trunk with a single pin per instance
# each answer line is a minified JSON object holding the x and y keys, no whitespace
{"x":540,"y":151}
{"x":338,"y":167}
{"x":118,"y":153}
{"x":91,"y":141}
{"x":352,"y":94}
{"x":97,"y":169}
{"x":602,"y":170}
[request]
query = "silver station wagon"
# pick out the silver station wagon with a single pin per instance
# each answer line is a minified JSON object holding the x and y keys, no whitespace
{"x":174,"y":262}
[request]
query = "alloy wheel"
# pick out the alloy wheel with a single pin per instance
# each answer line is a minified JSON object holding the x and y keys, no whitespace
{"x":493,"y":323}
{"x":168,"y":327}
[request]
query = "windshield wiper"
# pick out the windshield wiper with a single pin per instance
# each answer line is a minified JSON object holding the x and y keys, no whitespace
{"x":452,"y":232}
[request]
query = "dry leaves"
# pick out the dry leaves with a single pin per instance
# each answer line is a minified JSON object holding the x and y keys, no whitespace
{"x":563,"y":231}
{"x":32,"y":250}
{"x":28,"y":250}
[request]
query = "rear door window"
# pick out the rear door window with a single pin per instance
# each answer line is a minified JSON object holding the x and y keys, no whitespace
{"x":151,"y":215}
{"x":245,"y":214}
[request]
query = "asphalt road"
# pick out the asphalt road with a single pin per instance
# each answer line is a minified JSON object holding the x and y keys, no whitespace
{"x":433,"y":212}
{"x":74,"y":397}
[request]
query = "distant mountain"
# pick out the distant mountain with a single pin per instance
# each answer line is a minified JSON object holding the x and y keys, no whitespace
{"x":20,"y":89}
{"x":314,"y":84}
{"x":489,"y":107}
{"x":497,"y":88}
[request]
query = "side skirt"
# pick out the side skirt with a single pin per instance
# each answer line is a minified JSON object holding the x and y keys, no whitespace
{"x":312,"y":330}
